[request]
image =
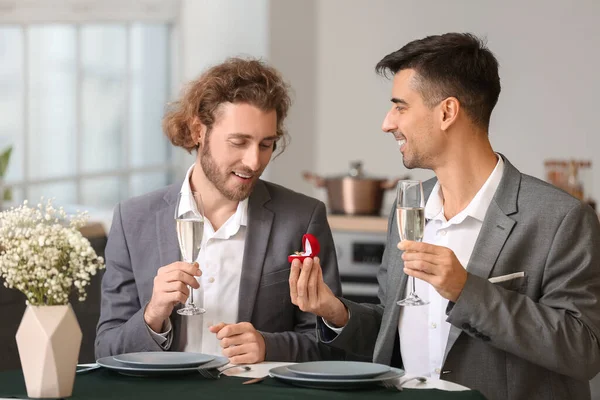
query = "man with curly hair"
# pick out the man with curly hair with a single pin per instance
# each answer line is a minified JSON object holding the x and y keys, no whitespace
{"x":233,"y":117}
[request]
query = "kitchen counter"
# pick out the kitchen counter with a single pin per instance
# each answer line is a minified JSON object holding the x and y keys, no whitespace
{"x":351,"y":223}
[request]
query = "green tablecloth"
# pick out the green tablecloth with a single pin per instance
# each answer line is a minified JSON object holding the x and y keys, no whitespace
{"x":104,"y":384}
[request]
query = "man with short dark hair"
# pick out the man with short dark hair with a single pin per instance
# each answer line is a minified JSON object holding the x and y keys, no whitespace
{"x":510,"y":265}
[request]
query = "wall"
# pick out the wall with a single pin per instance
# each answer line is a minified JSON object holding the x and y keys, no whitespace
{"x":210,"y":32}
{"x":292,"y":50}
{"x":547,"y":52}
{"x":328,"y":49}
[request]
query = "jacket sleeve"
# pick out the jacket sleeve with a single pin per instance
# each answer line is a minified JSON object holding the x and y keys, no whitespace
{"x":561,"y":330}
{"x":121,"y":328}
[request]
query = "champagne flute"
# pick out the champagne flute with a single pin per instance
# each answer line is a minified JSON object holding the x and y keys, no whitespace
{"x":189,"y":216}
{"x":410,"y":216}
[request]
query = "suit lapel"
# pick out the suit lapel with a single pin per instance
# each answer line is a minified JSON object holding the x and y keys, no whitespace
{"x":260,"y":221}
{"x":496,"y":228}
{"x":168,"y":247}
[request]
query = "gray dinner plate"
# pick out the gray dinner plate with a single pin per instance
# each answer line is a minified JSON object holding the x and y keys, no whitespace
{"x":144,"y":370}
{"x":285,"y":375}
{"x":339,"y":369}
{"x":164,"y":359}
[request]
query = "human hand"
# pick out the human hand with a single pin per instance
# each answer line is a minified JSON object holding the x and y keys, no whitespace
{"x":311,"y":294}
{"x":170,"y":288}
{"x":241,"y":342}
{"x":435,"y":265}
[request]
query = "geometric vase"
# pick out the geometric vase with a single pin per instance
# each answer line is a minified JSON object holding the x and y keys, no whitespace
{"x":48,"y":340}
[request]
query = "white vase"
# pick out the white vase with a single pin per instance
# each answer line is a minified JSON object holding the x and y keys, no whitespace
{"x":48,"y":340}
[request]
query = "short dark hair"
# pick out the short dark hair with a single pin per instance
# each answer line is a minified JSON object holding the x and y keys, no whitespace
{"x":450,"y":65}
{"x":237,"y":80}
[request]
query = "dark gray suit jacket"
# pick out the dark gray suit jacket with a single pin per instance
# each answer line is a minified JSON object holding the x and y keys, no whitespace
{"x":530,"y":338}
{"x":143,"y":238}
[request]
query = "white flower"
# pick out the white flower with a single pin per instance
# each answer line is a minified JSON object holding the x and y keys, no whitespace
{"x":43,"y":254}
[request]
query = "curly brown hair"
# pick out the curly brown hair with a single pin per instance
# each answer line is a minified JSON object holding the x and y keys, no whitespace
{"x":236,"y":80}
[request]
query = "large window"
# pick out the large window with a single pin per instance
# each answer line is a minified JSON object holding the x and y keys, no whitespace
{"x":82,"y":105}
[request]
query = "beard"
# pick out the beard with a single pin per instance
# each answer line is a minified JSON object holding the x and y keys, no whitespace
{"x":416,"y":161}
{"x":411,"y":163}
{"x":219,"y":179}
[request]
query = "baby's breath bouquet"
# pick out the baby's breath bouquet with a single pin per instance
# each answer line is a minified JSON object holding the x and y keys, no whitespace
{"x":44,"y":255}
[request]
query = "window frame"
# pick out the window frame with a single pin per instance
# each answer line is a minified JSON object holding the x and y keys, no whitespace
{"x":78,"y":13}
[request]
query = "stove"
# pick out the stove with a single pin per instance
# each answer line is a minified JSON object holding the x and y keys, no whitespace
{"x":359,"y":257}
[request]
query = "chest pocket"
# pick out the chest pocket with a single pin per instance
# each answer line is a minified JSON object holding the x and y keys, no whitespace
{"x":281,"y":275}
{"x":518,"y":284}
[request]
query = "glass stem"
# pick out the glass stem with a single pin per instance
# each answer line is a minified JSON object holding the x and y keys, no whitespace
{"x":191,"y":295}
{"x":412,"y":278}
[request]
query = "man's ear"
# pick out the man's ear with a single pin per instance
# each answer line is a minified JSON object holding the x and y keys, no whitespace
{"x":197,"y":130}
{"x":449,"y":109}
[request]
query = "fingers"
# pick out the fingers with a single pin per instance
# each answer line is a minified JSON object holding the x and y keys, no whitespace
{"x":249,"y":358}
{"x":408,"y":245}
{"x":241,"y":343}
{"x":304,"y":277}
{"x":313,"y":282}
{"x":247,"y":353}
{"x":175,"y":297}
{"x":171,"y":287}
{"x":294,"y":275}
{"x":415,"y":256}
{"x":420,"y":265}
{"x":419,"y":275}
{"x":320,"y":272}
{"x":190,"y":269}
{"x":216,"y":328}
{"x":180,"y":276}
{"x":237,"y":340}
{"x":234,"y":329}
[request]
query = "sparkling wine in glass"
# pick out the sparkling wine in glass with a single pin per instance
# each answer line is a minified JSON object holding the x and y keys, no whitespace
{"x":410,"y":216}
{"x":189,"y":218}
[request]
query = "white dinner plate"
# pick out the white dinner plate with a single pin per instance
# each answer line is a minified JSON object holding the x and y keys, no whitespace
{"x":339,"y":369}
{"x":164,"y":359}
{"x":285,"y":375}
{"x":141,"y":370}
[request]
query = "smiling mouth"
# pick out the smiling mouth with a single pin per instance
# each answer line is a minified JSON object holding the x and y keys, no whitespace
{"x":400,"y":142}
{"x":242,"y":176}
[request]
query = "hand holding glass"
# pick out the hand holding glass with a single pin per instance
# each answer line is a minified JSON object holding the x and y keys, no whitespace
{"x":189,"y":217}
{"x":410,"y":216}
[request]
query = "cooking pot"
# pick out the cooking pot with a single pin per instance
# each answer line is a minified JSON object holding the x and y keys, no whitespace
{"x":354,"y":193}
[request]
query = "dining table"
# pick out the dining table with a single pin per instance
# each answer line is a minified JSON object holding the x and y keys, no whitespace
{"x":102,"y":383}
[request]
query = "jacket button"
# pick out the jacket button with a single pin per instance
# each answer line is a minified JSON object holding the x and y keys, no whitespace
{"x":466,"y":326}
{"x":473,"y":330}
{"x":486,"y":338}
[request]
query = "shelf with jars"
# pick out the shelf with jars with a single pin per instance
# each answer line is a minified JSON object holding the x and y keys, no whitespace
{"x":572,"y":176}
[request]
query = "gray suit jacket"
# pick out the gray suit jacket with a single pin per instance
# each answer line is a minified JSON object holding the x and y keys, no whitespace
{"x":143,"y":238}
{"x":534,"y":337}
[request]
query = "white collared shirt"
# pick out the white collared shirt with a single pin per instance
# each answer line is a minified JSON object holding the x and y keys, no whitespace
{"x":220,"y":259}
{"x":423,"y":330}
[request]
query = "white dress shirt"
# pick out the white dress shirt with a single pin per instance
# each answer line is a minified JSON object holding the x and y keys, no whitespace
{"x":220,"y":260}
{"x":423,"y":330}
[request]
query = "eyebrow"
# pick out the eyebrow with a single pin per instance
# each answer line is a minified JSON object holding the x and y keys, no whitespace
{"x":246,"y":136}
{"x":398,"y":101}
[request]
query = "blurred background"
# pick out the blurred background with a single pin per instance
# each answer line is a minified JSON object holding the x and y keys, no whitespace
{"x":84,"y":84}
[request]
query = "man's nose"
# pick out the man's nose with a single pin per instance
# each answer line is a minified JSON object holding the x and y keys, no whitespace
{"x":389,"y":124}
{"x":252,"y":158}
